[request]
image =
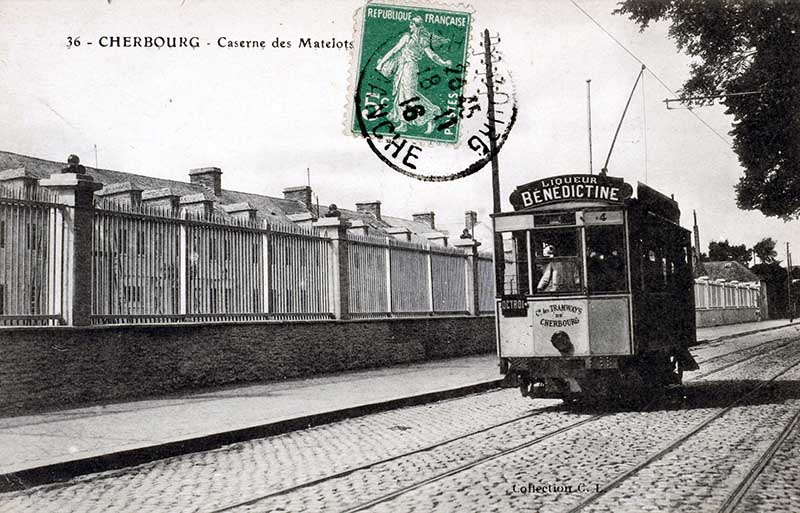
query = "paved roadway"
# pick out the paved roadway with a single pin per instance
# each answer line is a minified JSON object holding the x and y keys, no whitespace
{"x":729,"y":442}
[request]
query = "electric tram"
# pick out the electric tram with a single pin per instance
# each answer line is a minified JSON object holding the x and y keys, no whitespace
{"x":598,"y":289}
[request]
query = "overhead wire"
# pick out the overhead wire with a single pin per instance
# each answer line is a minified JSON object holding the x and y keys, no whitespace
{"x":640,"y":61}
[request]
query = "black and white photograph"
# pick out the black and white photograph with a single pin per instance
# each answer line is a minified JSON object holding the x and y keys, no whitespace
{"x":400,"y":256}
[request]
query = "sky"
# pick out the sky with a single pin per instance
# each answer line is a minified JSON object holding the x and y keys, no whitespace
{"x":265,"y":116}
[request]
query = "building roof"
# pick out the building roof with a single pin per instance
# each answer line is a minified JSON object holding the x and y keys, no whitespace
{"x":271,"y":208}
{"x":267,"y":207}
{"x":728,"y":271}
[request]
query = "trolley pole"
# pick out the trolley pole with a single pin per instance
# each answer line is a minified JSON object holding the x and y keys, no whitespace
{"x":499,"y":253}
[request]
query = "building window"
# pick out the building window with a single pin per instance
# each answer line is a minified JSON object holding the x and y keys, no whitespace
{"x":2,"y":299}
{"x":2,"y":234}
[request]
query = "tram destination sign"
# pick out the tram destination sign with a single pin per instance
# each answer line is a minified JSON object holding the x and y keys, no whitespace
{"x":606,"y":189}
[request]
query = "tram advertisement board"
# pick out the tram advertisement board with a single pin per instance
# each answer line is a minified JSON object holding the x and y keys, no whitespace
{"x":560,"y":327}
{"x":606,"y":189}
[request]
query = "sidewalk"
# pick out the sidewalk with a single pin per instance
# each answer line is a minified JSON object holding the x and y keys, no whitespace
{"x":737,"y":330}
{"x":52,"y":446}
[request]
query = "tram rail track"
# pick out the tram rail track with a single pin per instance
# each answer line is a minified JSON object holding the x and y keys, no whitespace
{"x":605,"y":489}
{"x":367,"y":466}
{"x":738,"y":494}
{"x":782,"y":343}
{"x":467,"y":466}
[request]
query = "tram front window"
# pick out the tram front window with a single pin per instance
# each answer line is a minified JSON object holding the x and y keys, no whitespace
{"x":605,"y":259}
{"x":557,"y":261}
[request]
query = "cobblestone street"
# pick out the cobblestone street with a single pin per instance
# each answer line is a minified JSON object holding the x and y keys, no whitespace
{"x":497,"y":451}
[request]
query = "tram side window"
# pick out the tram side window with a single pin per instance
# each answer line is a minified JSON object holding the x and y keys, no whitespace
{"x":661,"y":267}
{"x":605,"y":259}
{"x":516,"y":250}
{"x":557,"y":259}
{"x":654,"y":268}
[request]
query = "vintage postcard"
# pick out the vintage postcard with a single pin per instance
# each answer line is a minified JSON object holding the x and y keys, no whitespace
{"x":399,"y":255}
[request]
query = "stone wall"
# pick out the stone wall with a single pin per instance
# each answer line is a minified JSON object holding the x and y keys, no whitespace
{"x":721,"y":316}
{"x":54,"y":368}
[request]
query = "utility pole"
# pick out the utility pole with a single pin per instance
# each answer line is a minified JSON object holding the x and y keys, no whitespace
{"x":499,"y":253}
{"x":696,"y":231}
{"x":589,"y":114}
{"x":789,"y":302}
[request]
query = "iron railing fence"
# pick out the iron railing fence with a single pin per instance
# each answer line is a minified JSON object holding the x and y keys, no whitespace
{"x":712,"y":294}
{"x":486,"y":283}
{"x":152,"y":265}
{"x":32,"y":259}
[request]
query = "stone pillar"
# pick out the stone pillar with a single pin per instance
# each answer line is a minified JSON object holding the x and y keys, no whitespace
{"x":470,"y":247}
{"x":336,"y":230}
{"x":76,"y":192}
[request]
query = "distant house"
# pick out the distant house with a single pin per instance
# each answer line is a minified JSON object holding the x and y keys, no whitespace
{"x":728,"y":293}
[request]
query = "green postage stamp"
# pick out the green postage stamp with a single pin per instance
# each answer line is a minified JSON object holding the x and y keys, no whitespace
{"x":411,"y":72}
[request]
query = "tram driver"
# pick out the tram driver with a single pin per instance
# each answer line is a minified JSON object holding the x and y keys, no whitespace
{"x":559,"y":275}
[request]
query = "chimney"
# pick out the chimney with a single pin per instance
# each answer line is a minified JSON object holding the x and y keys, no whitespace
{"x":208,"y":177}
{"x":425,"y":217}
{"x":370,"y":207}
{"x":470,"y":220}
{"x":301,"y":194}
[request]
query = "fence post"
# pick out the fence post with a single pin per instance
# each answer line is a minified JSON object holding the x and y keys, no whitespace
{"x":265,"y":267}
{"x":470,"y":248}
{"x":336,"y":230}
{"x":76,"y":191}
{"x":389,"y":275}
{"x":183,"y":262}
{"x":429,"y":264}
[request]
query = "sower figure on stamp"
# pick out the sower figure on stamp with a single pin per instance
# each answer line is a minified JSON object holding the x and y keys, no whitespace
{"x":400,"y":65}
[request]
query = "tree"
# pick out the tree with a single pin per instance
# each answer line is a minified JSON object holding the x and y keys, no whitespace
{"x":765,"y":250}
{"x":722,"y":251}
{"x":741,"y":46}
